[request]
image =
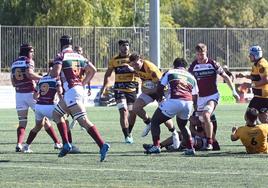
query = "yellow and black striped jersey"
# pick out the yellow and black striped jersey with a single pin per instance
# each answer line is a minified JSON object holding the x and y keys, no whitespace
{"x":259,"y":70}
{"x":125,"y":79}
{"x":149,"y":71}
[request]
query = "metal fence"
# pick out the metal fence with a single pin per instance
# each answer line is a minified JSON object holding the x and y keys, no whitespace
{"x":226,"y":45}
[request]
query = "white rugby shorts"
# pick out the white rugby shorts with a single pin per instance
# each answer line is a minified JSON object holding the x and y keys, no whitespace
{"x":42,"y":111}
{"x":75,"y":95}
{"x":24,"y":101}
{"x":180,"y":108}
{"x":202,"y":101}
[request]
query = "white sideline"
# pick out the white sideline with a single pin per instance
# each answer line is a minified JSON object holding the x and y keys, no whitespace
{"x":130,"y":170}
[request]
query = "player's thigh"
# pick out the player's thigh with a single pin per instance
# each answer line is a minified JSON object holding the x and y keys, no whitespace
{"x":211,"y":100}
{"x":74,"y":96}
{"x":185,"y":109}
{"x":170,"y":107}
{"x":23,"y":101}
{"x":139,"y":104}
{"x":42,"y":111}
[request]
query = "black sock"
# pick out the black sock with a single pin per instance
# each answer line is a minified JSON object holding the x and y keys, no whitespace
{"x":130,"y":128}
{"x":126,"y":132}
{"x":147,"y":121}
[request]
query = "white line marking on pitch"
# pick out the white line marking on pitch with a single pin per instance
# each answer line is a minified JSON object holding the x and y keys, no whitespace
{"x":129,"y":170}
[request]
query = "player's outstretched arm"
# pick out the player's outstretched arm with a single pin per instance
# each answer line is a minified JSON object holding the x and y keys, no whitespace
{"x":231,"y":86}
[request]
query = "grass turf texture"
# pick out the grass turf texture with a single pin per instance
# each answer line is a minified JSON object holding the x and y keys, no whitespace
{"x":127,"y":165}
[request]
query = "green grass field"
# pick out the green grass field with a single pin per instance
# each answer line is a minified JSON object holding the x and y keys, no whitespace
{"x":127,"y":165}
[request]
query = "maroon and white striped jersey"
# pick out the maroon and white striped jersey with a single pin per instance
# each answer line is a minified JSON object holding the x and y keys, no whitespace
{"x":18,"y":70}
{"x":47,"y":88}
{"x":206,"y":76}
{"x":73,"y":66}
{"x":182,"y":85}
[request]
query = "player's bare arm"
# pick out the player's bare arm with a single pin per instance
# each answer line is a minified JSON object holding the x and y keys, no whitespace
{"x":241,"y":75}
{"x":90,"y":72}
{"x":12,"y":81}
{"x":234,"y":137}
{"x":107,"y":80}
{"x":32,"y":75}
{"x":60,"y":91}
{"x":230,"y":84}
{"x":55,"y":72}
{"x":160,"y":91}
{"x":261,"y":82}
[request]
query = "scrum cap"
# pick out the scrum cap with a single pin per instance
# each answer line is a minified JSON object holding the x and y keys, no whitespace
{"x":256,"y":52}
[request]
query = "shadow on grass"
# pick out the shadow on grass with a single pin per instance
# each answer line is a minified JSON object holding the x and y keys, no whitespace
{"x":4,"y":161}
{"x":230,"y":154}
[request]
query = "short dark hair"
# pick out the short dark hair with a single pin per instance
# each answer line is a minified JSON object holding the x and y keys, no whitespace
{"x":201,"y":47}
{"x":123,"y":41}
{"x":66,"y":40}
{"x":180,"y":62}
{"x":251,"y":114}
{"x":77,"y":48}
{"x":134,"y":56}
{"x":25,"y":49}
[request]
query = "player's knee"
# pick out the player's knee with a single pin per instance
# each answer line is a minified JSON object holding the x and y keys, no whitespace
{"x":22,"y":121}
{"x":81,"y":117}
{"x":206,"y":115}
{"x":58,"y":111}
{"x":208,"y":109}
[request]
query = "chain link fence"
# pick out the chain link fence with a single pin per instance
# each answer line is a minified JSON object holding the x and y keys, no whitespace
{"x":228,"y":46}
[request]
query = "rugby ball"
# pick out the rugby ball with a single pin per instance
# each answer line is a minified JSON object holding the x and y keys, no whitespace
{"x":148,"y":84}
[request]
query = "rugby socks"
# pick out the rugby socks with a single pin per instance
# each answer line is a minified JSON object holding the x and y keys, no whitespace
{"x":70,"y":138}
{"x":31,"y":137}
{"x":126,"y":132}
{"x":130,"y":127}
{"x":62,"y":127}
{"x":189,"y":143}
{"x":214,"y":122}
{"x":156,"y":141}
{"x":171,"y":129}
{"x":209,"y":141}
{"x":51,"y":132}
{"x":147,"y":121}
{"x":20,"y":134}
{"x":94,"y":133}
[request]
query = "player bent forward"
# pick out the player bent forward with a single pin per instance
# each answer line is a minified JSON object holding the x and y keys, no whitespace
{"x":183,"y":91}
{"x":150,"y":76}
